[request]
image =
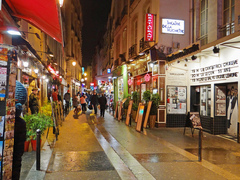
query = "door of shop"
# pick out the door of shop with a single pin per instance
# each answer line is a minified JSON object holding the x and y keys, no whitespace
{"x":226,"y":108}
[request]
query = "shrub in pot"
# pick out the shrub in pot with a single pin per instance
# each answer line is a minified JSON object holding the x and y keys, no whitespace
{"x":37,"y":121}
{"x":154,"y":108}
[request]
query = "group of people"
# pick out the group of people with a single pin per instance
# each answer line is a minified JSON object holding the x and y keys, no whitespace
{"x":91,"y":100}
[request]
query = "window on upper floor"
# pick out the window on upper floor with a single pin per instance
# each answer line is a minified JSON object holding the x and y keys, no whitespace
{"x":134,"y":32}
{"x":124,"y":40}
{"x":228,"y":17}
{"x":204,"y":22}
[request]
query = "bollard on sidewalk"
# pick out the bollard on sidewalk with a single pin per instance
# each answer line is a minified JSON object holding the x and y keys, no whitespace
{"x":38,"y":149}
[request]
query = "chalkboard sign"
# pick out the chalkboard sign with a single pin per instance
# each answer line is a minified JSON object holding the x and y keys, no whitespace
{"x":129,"y":112}
{"x":147,"y":114}
{"x":140,"y":117}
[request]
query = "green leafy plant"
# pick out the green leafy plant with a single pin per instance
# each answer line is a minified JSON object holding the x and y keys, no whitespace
{"x":126,"y":103}
{"x":37,"y":121}
{"x":135,"y":107}
{"x":135,"y":97}
{"x":155,"y":103}
{"x":146,"y":96}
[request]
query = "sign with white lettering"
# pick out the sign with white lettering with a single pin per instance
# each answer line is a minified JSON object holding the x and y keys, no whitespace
{"x":149,"y":27}
{"x":172,"y":26}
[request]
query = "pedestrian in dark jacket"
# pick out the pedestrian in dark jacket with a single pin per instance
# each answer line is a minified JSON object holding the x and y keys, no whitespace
{"x":94,"y":101}
{"x":103,"y":102}
{"x":19,"y":131}
{"x":33,"y":101}
{"x":67,"y":100}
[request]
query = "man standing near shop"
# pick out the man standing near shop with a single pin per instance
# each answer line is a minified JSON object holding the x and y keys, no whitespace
{"x":33,"y":101}
{"x":103,"y":102}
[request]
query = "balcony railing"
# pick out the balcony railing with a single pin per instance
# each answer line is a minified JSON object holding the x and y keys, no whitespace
{"x":143,"y":45}
{"x":132,"y":51}
{"x":124,"y":12}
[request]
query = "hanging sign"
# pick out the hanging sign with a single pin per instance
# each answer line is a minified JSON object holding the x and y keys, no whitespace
{"x":130,"y":82}
{"x":172,"y":26}
{"x":147,"y":77}
{"x":149,"y":27}
{"x":52,"y":70}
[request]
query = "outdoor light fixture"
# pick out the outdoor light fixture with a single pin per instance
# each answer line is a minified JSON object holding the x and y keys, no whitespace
{"x":178,"y":61}
{"x":74,"y":63}
{"x":85,"y":74}
{"x":193,"y":57}
{"x":57,"y":72}
{"x":25,"y":64}
{"x":61,"y":3}
{"x":82,"y":80}
{"x":141,"y":53}
{"x":186,"y":60}
{"x":60,"y":76}
{"x":85,"y":79}
{"x":14,"y":32}
{"x":36,"y":71}
{"x":131,"y":60}
{"x":215,"y":50}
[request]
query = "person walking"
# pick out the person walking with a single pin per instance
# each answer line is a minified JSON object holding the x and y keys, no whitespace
{"x":94,"y":101}
{"x":67,"y":101}
{"x":83,"y":102}
{"x":33,"y":101}
{"x":55,"y":95}
{"x":103,"y":103}
{"x":75,"y":104}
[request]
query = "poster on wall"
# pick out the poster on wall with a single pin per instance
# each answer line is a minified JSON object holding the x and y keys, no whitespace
{"x":120,"y":88}
{"x":220,"y":101}
{"x":176,"y":99}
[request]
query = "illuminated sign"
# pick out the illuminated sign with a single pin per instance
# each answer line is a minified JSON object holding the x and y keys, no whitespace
{"x":91,"y":84}
{"x":108,"y":71}
{"x":82,"y":70}
{"x":130,"y":82}
{"x":149,"y":27}
{"x":172,"y":26}
{"x":147,"y":77}
{"x":52,"y":70}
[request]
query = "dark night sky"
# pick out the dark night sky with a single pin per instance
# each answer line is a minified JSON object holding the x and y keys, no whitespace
{"x":95,"y":14}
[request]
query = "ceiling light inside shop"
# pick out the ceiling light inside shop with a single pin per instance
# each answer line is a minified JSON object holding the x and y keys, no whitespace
{"x":25,"y":64}
{"x":46,"y":80}
{"x":131,"y":60}
{"x":44,"y":77}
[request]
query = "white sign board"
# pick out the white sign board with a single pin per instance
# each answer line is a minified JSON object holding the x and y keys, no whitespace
{"x":172,"y":26}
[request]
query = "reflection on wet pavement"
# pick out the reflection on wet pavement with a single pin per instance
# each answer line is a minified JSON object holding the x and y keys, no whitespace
{"x":161,"y":157}
{"x":80,"y":161}
{"x":217,"y":155}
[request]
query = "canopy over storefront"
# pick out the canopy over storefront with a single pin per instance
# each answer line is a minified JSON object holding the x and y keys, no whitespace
{"x":43,"y":14}
{"x":104,"y":77}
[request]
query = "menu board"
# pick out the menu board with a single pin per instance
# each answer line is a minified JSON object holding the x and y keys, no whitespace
{"x":220,"y":101}
{"x":176,"y":99}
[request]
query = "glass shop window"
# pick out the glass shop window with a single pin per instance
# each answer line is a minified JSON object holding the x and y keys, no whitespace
{"x":205,"y":100}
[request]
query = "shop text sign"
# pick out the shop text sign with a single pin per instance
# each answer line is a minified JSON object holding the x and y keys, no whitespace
{"x":215,"y":72}
{"x":149,"y":27}
{"x":172,"y":26}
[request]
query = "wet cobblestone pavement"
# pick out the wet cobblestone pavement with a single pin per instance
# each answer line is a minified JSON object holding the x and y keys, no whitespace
{"x":93,"y":147}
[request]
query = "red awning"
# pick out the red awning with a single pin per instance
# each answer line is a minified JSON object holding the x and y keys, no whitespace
{"x":41,"y":13}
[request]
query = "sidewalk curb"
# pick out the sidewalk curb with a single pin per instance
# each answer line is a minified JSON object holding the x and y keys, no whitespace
{"x":46,"y":154}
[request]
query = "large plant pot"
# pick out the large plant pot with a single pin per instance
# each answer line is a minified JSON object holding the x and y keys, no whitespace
{"x":134,"y":114}
{"x":26,"y":146}
{"x":152,"y":120}
{"x":34,"y":144}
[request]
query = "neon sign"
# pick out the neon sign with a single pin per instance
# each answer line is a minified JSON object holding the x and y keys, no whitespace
{"x":149,"y":27}
{"x":52,"y":70}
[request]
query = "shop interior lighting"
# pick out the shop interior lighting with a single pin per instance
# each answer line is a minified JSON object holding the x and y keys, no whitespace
{"x":110,"y":77}
{"x":85,"y":79}
{"x":25,"y":64}
{"x":194,"y":57}
{"x":141,"y":53}
{"x":151,"y":64}
{"x":44,"y":77}
{"x":46,"y":80}
{"x":215,"y":50}
{"x":131,"y":60}
{"x":74,"y":63}
{"x":57,"y":72}
{"x":82,"y":80}
{"x":61,"y":3}
{"x":60,"y":77}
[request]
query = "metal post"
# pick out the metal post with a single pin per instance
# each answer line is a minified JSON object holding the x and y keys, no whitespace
{"x":200,"y":146}
{"x":38,"y":149}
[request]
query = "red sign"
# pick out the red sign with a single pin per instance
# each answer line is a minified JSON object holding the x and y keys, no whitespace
{"x":52,"y":70}
{"x":130,"y":82}
{"x":149,"y":27}
{"x":147,"y":77}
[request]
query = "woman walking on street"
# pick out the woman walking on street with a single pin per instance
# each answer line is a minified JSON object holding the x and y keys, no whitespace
{"x":103,"y":103}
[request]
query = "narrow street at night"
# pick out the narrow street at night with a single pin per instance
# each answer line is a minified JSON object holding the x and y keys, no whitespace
{"x":91,"y":147}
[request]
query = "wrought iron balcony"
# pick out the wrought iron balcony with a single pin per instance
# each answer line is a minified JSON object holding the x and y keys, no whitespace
{"x":132,"y":51}
{"x":143,"y":45}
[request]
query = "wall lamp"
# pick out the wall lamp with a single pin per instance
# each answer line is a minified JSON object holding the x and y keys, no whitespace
{"x":194,"y":57}
{"x":15,"y":32}
{"x":215,"y":50}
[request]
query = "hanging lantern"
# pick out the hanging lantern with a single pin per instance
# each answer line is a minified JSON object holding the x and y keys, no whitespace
{"x":147,"y":77}
{"x":130,"y":82}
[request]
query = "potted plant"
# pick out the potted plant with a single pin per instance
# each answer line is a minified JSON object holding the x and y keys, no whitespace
{"x":135,"y":97}
{"x":146,"y":96}
{"x":34,"y":122}
{"x":153,"y":112}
